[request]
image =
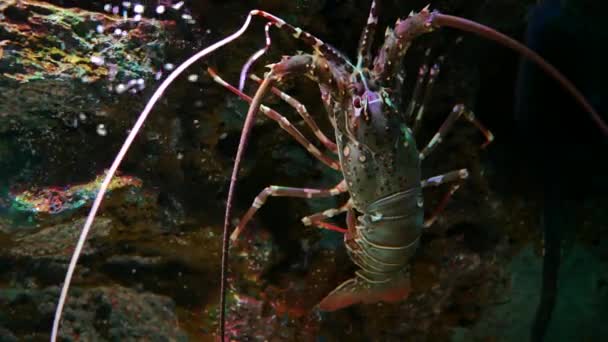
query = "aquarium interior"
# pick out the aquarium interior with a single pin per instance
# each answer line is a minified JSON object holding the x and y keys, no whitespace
{"x":520,"y":252}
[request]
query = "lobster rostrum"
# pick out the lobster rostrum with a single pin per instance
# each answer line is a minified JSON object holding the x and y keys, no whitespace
{"x":378,"y":155}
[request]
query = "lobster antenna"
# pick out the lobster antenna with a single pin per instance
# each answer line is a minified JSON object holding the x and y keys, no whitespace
{"x":314,"y":42}
{"x":255,"y":56}
{"x":120,"y":156}
{"x":438,"y":19}
{"x":249,"y":121}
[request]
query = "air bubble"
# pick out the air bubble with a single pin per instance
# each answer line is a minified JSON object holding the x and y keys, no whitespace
{"x":160,"y":9}
{"x":193,"y":77}
{"x":121,"y":88}
{"x":139,"y":9}
{"x":178,"y":6}
{"x":101,"y":130}
{"x":169,"y":66}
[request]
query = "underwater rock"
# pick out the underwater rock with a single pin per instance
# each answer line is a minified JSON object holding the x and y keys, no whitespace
{"x":7,"y":336}
{"x":41,"y":41}
{"x":251,"y":318}
{"x":62,"y":73}
{"x":119,"y":313}
{"x":93,"y":314}
{"x":57,"y":242}
{"x":41,"y":257}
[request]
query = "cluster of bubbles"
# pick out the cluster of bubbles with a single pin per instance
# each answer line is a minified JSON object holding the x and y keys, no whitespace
{"x":133,"y":12}
{"x":137,"y":9}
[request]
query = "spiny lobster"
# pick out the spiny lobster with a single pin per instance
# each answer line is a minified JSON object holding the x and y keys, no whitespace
{"x":378,"y":155}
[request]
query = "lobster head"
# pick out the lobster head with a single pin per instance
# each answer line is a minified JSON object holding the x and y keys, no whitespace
{"x":370,"y":104}
{"x":370,"y":109}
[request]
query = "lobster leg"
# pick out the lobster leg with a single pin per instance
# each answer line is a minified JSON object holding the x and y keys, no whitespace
{"x":414,"y":101}
{"x":317,"y":219}
{"x":452,"y":176}
{"x":427,"y":94}
{"x":422,"y":72}
{"x":441,"y":206}
{"x":448,"y":177}
{"x":280,"y":191}
{"x":301,"y":109}
{"x":458,"y":111}
{"x":282,"y":121}
{"x":318,"y":45}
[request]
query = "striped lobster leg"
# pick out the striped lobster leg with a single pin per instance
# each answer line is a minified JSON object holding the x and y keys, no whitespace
{"x":303,"y":112}
{"x":428,"y":90}
{"x":423,"y":70}
{"x":320,"y":48}
{"x":282,"y":121}
{"x":317,"y":219}
{"x":458,"y":111}
{"x":281,"y":191}
{"x":457,"y":177}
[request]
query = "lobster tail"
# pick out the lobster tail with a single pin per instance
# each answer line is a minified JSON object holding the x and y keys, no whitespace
{"x":356,"y":290}
{"x":384,"y":275}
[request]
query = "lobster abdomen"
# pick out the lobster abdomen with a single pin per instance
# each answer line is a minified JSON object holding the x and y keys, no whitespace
{"x":387,"y":236}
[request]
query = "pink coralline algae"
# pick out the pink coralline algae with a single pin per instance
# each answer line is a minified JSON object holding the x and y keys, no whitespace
{"x":54,"y":200}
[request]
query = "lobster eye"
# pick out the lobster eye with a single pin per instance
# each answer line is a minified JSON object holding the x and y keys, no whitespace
{"x":357,"y":102}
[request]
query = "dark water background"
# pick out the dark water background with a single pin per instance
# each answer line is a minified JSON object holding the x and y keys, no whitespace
{"x":151,"y":266}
